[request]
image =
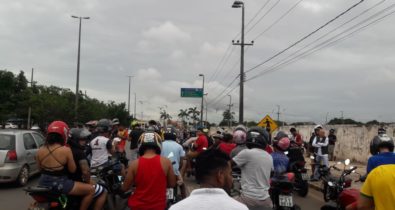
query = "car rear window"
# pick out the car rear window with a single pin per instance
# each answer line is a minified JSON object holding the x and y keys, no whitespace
{"x":7,"y":142}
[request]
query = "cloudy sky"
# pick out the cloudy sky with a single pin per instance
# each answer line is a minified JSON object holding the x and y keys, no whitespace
{"x":165,"y":45}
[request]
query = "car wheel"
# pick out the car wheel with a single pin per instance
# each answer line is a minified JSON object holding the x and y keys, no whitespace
{"x":23,"y":176}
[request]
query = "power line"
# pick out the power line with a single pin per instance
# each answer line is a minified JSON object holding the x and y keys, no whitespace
{"x":220,"y":99}
{"x":230,"y":84}
{"x":328,"y":43}
{"x":263,"y":16}
{"x":215,"y":75}
{"x":279,"y":19}
{"x":307,"y":36}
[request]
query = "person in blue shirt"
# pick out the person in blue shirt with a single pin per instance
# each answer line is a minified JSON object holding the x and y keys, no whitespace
{"x":385,"y":155}
{"x":174,"y":151}
{"x":281,"y":144}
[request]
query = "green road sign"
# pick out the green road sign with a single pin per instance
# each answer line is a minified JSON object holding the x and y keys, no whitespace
{"x":192,"y":92}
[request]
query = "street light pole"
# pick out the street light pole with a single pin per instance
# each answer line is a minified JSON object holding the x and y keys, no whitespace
{"x":240,"y":4}
{"x":29,"y":114}
{"x":202,"y":106}
{"x":78,"y":66}
{"x":130,"y":78}
{"x":135,"y":101}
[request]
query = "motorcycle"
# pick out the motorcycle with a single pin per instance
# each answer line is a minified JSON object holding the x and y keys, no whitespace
{"x":297,"y":166}
{"x":337,"y":189}
{"x":281,"y":192}
{"x":45,"y":199}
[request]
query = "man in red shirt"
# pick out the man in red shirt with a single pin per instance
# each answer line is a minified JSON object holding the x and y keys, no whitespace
{"x":197,"y":147}
{"x":296,"y":137}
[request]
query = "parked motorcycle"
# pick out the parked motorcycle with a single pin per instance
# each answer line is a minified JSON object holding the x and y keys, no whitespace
{"x":337,"y":189}
{"x":281,"y":193}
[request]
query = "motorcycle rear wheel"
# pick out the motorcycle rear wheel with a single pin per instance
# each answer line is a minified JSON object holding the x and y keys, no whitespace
{"x":303,"y":188}
{"x":326,"y":192}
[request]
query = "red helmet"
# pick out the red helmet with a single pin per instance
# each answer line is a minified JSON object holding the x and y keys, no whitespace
{"x":60,"y":128}
{"x":283,"y":143}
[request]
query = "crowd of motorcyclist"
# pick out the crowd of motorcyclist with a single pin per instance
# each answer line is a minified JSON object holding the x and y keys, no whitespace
{"x":151,"y":159}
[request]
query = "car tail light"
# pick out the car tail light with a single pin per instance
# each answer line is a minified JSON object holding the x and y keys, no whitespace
{"x":11,"y":156}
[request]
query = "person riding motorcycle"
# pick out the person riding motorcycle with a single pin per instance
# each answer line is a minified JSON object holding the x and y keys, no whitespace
{"x":198,"y":147}
{"x":256,"y":165}
{"x":254,"y":131}
{"x":174,"y":151}
{"x":384,"y":146}
{"x":77,"y":141}
{"x":151,"y":174}
{"x":281,"y":144}
{"x":239,"y":137}
{"x":101,"y":146}
{"x":56,"y":162}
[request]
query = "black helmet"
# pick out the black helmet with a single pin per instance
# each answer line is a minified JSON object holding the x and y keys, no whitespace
{"x":257,"y":137}
{"x":170,"y":133}
{"x":381,"y":141}
{"x":77,"y":134}
{"x":104,"y":125}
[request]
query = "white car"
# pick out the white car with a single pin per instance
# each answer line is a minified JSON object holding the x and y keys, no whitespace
{"x":10,"y":125}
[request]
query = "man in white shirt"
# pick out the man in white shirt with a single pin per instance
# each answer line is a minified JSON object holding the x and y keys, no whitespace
{"x":256,"y":166}
{"x":320,"y":144}
{"x":214,"y":173}
{"x":101,"y":146}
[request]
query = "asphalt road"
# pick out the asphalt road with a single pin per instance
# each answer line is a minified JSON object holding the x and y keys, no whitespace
{"x":14,"y":198}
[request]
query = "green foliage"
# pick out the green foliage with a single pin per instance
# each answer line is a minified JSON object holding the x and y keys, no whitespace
{"x":228,"y":117}
{"x":51,"y":103}
{"x":339,"y":121}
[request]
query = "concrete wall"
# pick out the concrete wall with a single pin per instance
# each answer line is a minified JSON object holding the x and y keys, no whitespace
{"x":352,"y":141}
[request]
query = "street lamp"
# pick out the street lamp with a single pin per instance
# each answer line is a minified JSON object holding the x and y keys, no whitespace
{"x":78,"y":66}
{"x":240,"y":4}
{"x":130,"y":80}
{"x":201,"y":109}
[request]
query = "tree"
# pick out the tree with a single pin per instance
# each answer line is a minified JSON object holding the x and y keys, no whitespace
{"x":339,"y":121}
{"x":194,"y":113}
{"x":228,"y":118}
{"x":183,"y":115}
{"x":251,"y":123}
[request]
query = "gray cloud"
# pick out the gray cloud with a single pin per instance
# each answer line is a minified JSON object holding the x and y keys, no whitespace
{"x":166,"y":44}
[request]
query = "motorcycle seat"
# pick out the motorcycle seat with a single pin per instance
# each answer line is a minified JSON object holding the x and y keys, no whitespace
{"x":37,"y":189}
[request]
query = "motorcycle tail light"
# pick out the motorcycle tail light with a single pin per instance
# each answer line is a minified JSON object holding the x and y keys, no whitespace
{"x":301,"y":163}
{"x":347,"y":183}
{"x":54,"y":204}
{"x":39,"y":198}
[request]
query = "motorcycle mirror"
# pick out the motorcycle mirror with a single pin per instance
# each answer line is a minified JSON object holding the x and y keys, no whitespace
{"x":338,"y":163}
{"x":286,"y":152}
{"x":347,"y":162}
{"x":312,"y":157}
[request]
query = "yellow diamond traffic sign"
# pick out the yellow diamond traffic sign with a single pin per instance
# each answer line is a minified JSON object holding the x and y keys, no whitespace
{"x":268,"y":122}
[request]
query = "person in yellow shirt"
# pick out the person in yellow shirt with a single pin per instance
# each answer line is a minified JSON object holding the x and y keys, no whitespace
{"x":378,"y":191}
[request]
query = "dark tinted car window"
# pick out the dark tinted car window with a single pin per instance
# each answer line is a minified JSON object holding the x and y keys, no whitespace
{"x":29,"y":142}
{"x":7,"y":142}
{"x":39,"y":139}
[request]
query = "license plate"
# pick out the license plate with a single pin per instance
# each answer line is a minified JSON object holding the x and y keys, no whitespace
{"x":169,"y":193}
{"x":305,"y":176}
{"x":285,"y":201}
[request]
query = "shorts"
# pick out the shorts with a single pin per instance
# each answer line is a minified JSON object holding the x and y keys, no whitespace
{"x":98,"y":190}
{"x":58,"y":184}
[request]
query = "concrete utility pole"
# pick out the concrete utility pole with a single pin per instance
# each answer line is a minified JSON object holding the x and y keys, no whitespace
{"x":30,"y":107}
{"x":240,"y":4}
{"x":78,"y":66}
{"x":135,"y":102}
{"x":278,"y":113}
{"x":130,"y":80}
{"x":230,"y":110}
{"x":202,"y":106}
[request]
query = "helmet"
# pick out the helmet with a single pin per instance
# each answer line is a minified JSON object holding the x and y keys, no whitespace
{"x":104,"y":125}
{"x":239,"y":137}
{"x":381,"y":141}
{"x":170,"y":133}
{"x":280,"y":135}
{"x":149,"y":140}
{"x":257,"y":136}
{"x":241,"y":128}
{"x":282,"y":144}
{"x":77,"y":134}
{"x":317,"y":127}
{"x":115,"y":121}
{"x":382,"y":130}
{"x":60,"y":128}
